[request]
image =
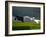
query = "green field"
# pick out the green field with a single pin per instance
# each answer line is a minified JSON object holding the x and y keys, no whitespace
{"x":25,"y":25}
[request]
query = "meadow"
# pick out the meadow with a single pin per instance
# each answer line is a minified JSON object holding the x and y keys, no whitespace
{"x":25,"y":25}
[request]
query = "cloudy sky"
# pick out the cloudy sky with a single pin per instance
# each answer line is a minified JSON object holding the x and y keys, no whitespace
{"x":26,"y":11}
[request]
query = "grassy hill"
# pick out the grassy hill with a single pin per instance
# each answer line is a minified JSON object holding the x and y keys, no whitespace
{"x":25,"y":25}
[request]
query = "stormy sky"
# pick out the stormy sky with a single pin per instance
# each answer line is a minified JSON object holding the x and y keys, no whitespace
{"x":26,"y":11}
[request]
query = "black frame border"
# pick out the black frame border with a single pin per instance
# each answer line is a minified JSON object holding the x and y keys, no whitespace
{"x":6,"y":17}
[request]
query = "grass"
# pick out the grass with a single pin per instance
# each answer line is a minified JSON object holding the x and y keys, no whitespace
{"x":25,"y":25}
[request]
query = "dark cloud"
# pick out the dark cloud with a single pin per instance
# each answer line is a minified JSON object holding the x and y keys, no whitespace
{"x":26,"y":11}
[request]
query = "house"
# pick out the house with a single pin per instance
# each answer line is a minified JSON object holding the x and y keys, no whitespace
{"x":13,"y":17}
{"x":37,"y":21}
{"x":28,"y":19}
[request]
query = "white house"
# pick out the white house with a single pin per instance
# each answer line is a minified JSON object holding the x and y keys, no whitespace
{"x":37,"y":21}
{"x":28,"y":19}
{"x":13,"y":17}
